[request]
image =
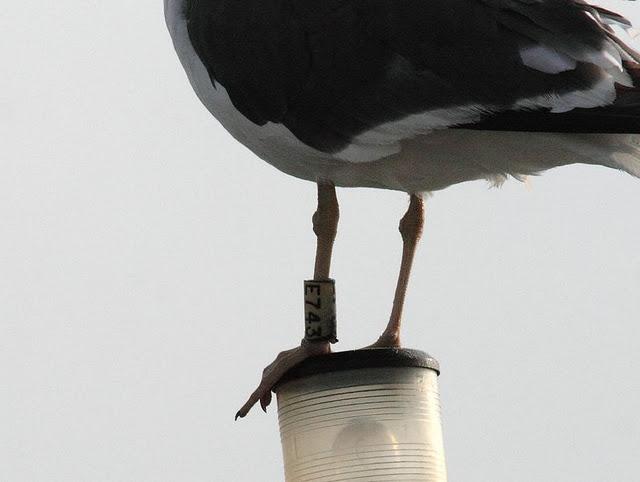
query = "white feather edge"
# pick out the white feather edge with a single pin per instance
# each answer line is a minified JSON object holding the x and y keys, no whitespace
{"x":384,"y":140}
{"x":547,"y":60}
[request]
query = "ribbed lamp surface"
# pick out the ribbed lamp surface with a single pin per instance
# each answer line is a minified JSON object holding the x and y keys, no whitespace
{"x":366,"y":415}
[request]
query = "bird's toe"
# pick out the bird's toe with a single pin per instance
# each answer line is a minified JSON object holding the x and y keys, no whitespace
{"x":274,"y":371}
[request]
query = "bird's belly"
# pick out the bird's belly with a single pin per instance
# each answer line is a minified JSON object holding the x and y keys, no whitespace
{"x":442,"y":158}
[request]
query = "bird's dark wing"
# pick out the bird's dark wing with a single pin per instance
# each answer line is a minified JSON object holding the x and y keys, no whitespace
{"x":621,"y":116}
{"x":331,"y":70}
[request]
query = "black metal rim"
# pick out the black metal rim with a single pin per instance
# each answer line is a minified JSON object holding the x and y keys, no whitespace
{"x":359,"y":359}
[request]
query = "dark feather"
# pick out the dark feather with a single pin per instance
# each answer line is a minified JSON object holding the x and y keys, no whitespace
{"x":332,"y":69}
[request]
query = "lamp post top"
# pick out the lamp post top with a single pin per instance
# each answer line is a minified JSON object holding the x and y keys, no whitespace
{"x":361,"y":359}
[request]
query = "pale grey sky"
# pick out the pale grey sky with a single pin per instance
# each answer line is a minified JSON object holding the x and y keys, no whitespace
{"x":150,"y":267}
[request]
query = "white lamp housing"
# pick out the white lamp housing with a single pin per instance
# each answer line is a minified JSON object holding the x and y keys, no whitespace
{"x":365,"y":415}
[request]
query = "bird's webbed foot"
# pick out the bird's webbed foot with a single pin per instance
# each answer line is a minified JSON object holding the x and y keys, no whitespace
{"x":273,"y":372}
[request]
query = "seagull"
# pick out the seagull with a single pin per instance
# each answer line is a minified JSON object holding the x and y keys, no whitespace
{"x":413,"y":96}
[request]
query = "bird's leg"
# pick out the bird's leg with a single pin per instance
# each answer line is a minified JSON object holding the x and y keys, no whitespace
{"x":411,"y":226}
{"x":325,"y":225}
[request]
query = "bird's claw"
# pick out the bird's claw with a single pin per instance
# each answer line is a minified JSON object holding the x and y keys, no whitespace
{"x":265,"y":401}
{"x":272,"y":373}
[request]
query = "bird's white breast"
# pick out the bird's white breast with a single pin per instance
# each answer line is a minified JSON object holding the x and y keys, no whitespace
{"x":272,"y":142}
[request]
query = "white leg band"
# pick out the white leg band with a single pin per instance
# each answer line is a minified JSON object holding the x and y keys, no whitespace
{"x":320,"y":311}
